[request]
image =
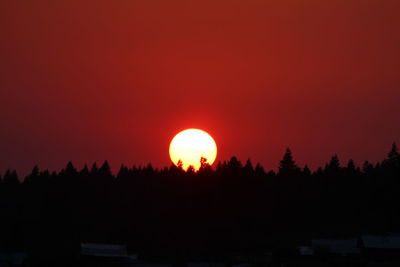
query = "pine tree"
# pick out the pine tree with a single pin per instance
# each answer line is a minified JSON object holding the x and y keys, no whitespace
{"x":70,"y":169}
{"x":84,"y":171}
{"x":234,"y":164}
{"x":123,"y":172}
{"x":333,"y":165}
{"x":32,"y":176}
{"x":94,"y":170}
{"x":248,"y":167}
{"x":393,"y":158}
{"x":393,"y":153}
{"x":105,"y":170}
{"x":306,"y":171}
{"x":351,"y":166}
{"x":287,"y":165}
{"x":260,"y":170}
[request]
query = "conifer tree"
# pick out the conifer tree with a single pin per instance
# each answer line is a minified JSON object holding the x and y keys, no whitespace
{"x":287,"y":165}
{"x":393,"y":158}
{"x":306,"y":170}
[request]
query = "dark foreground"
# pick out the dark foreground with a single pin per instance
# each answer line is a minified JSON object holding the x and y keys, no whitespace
{"x":233,"y":214}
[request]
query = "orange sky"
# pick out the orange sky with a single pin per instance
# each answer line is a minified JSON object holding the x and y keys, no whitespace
{"x":117,"y":79}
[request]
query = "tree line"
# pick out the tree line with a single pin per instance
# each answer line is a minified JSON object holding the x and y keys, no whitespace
{"x":170,"y":213}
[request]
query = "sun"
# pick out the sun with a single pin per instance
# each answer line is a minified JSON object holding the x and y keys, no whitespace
{"x":190,"y":145}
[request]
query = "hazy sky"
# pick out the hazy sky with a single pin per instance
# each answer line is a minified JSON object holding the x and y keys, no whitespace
{"x":93,"y":80}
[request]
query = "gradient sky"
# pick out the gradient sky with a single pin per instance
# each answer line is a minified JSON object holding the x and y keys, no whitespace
{"x":93,"y":80}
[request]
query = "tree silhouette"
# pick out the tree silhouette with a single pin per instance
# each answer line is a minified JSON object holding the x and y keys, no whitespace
{"x":393,"y":157}
{"x":260,"y":171}
{"x":306,"y":171}
{"x":393,"y":153}
{"x":191,"y":170}
{"x":333,"y":167}
{"x":84,"y":171}
{"x":234,"y":164}
{"x":287,"y":166}
{"x":123,"y":172}
{"x":33,"y":176}
{"x":94,"y":170}
{"x":205,"y":167}
{"x":170,"y":213}
{"x":11,"y":178}
{"x":105,"y":170}
{"x":180,"y":164}
{"x":248,"y":167}
{"x":70,"y":170}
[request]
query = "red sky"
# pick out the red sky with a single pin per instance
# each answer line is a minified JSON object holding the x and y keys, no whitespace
{"x":94,"y":80}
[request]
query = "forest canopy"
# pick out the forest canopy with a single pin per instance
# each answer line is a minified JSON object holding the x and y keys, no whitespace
{"x":170,"y":212}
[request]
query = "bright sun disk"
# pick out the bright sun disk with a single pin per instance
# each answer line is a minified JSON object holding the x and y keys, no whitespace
{"x":190,"y":146}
